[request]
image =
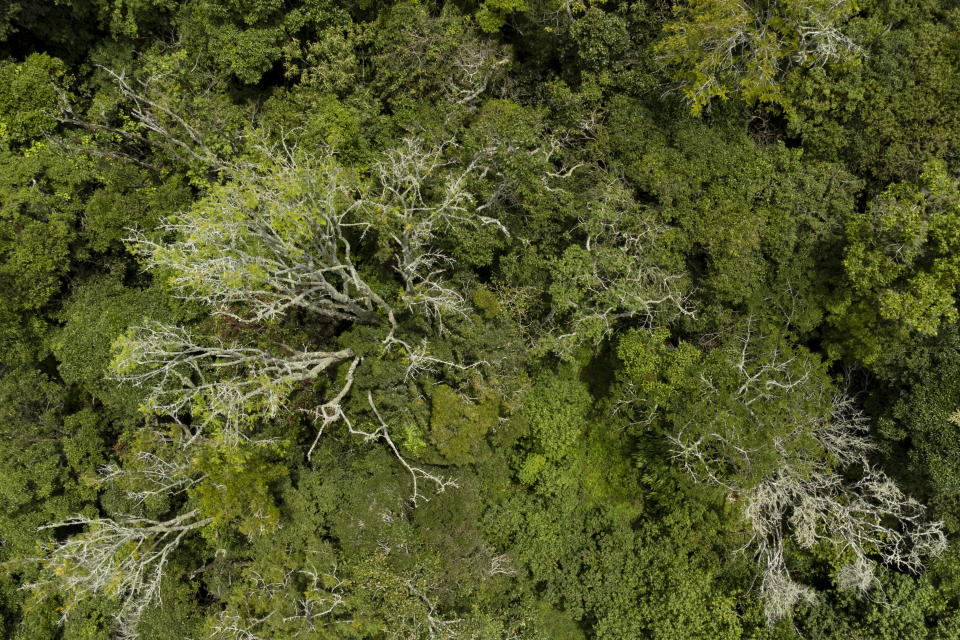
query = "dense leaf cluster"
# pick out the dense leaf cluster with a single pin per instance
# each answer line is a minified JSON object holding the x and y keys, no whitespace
{"x":499,"y":319}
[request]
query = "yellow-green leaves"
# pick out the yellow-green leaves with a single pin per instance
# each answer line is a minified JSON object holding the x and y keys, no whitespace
{"x":28,"y":100}
{"x":236,"y":489}
{"x":718,"y":47}
{"x":556,"y":410}
{"x":458,"y":426}
{"x":493,"y":14}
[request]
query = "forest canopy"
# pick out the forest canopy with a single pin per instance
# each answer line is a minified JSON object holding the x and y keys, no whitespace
{"x":486,"y":320}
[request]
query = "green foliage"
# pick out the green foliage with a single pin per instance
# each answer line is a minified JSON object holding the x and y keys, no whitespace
{"x":555,"y":409}
{"x":38,"y":223}
{"x":28,"y":100}
{"x":51,"y":456}
{"x":236,"y":489}
{"x":626,"y":319}
{"x":905,"y":611}
{"x":925,"y":414}
{"x":719,"y":48}
{"x":97,"y":313}
{"x":901,"y":265}
{"x":888,"y":117}
{"x":493,"y":14}
{"x":128,"y":199}
{"x":656,"y":369}
{"x":457,"y":425}
{"x":757,"y":226}
{"x":603,"y":41}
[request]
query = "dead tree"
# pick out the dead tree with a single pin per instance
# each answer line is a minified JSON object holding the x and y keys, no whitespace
{"x":124,"y":558}
{"x":181,"y":370}
{"x":790,"y":484}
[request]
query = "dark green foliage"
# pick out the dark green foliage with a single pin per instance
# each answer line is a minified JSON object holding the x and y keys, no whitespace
{"x":584,"y":329}
{"x":925,"y":414}
{"x":895,"y":112}
{"x":96,"y":314}
{"x":39,"y":219}
{"x":900,"y":263}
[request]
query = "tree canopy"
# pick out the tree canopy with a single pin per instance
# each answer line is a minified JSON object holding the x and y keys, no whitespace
{"x":499,"y":320}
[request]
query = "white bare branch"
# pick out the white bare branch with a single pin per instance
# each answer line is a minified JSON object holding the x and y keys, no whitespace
{"x":870,"y":517}
{"x":475,"y":63}
{"x":432,"y":626}
{"x":150,"y":108}
{"x":180,"y":370}
{"x":803,"y":496}
{"x":332,"y":411}
{"x":275,"y":238}
{"x":294,"y":606}
{"x":423,"y":194}
{"x":152,"y":476}
{"x":441,"y":483}
{"x":123,"y":558}
{"x":755,"y":40}
{"x":612,"y":277}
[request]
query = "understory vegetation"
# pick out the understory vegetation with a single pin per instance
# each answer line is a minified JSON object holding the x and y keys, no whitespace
{"x":479,"y":320}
